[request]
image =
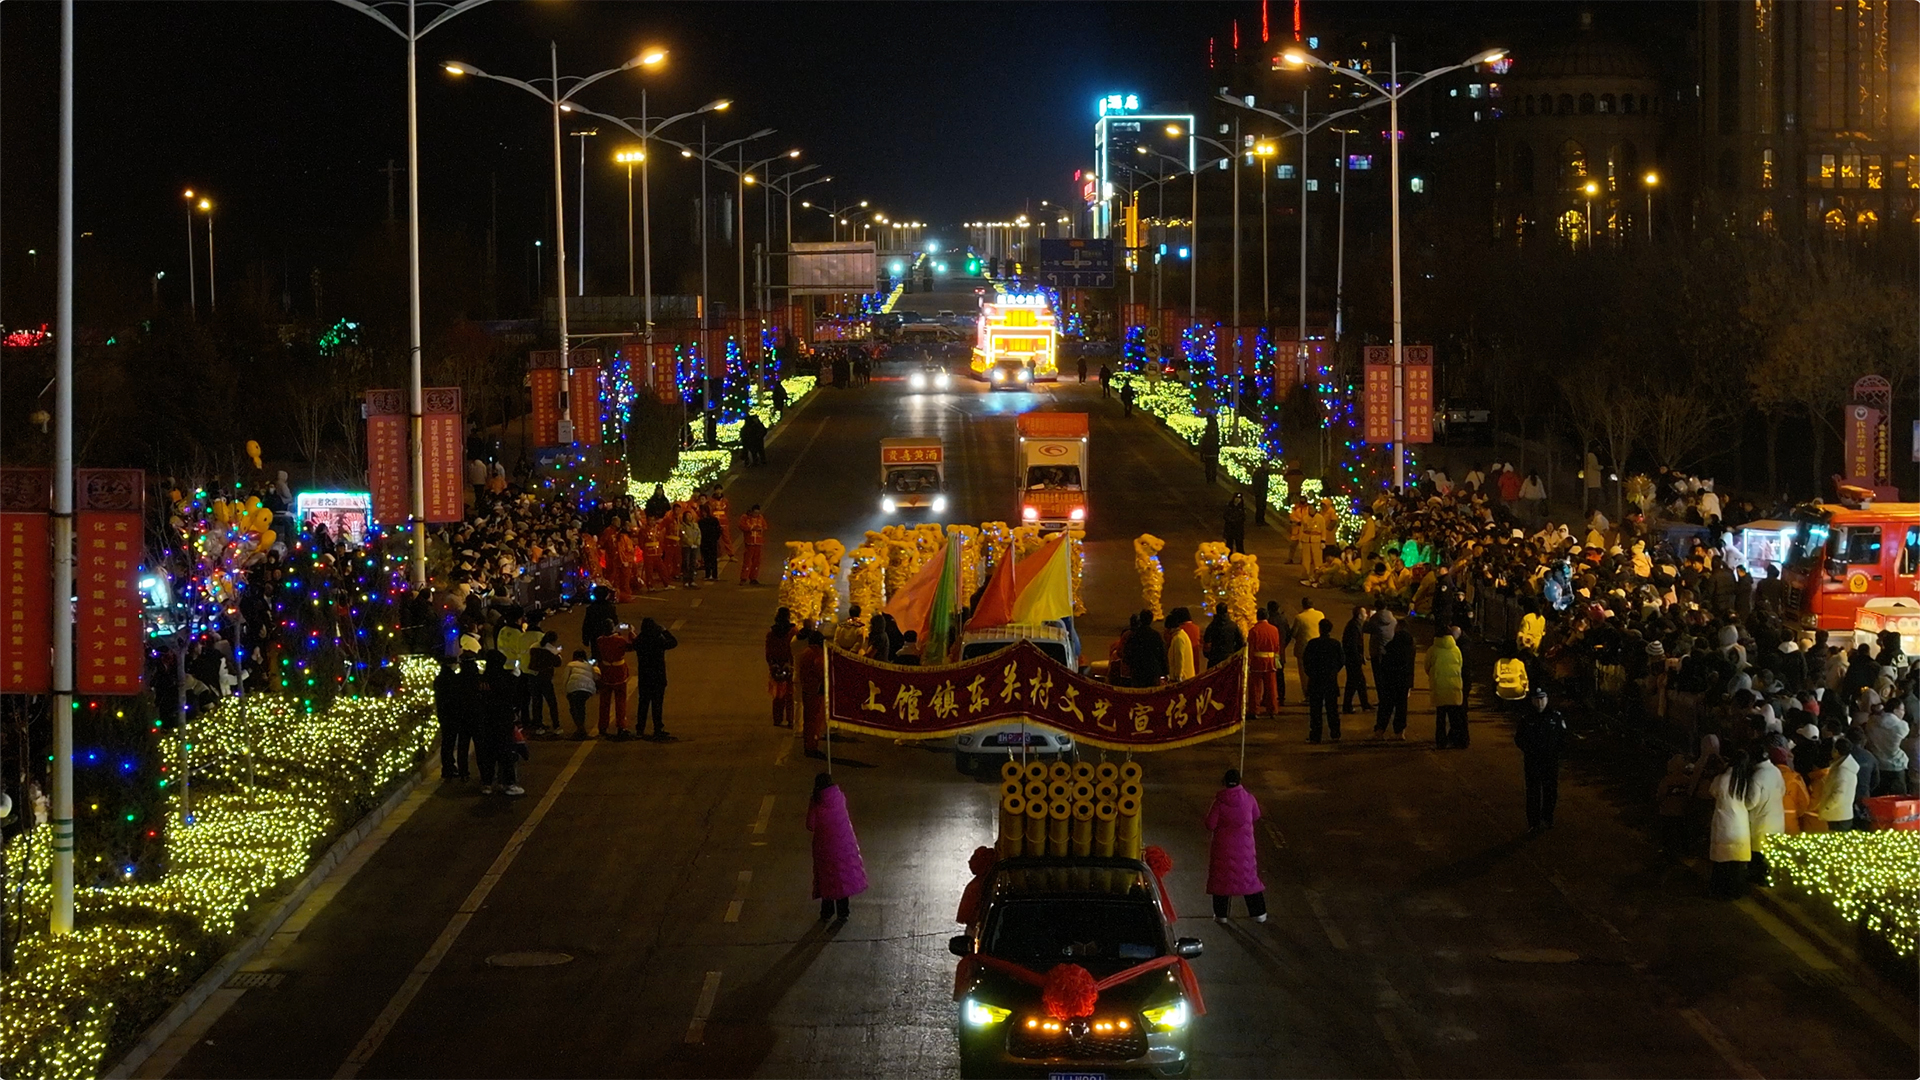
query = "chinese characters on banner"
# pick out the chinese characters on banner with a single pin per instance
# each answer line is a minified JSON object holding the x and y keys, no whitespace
{"x":26,"y":581}
{"x":583,"y":400}
{"x":1377,"y":399}
{"x":1417,"y":365}
{"x":907,"y":455}
{"x":545,"y":382}
{"x":387,"y":454}
{"x":443,"y":437}
{"x":1022,"y":682}
{"x":108,"y":638}
{"x":666,"y":373}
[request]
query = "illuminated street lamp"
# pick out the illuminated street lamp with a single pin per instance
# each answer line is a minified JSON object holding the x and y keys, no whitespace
{"x":1393,"y":91}
{"x":1591,"y":189}
{"x":1651,"y":180}
{"x":193,"y":280}
{"x":559,"y":102}
{"x":205,"y":206}
{"x":630,"y":158}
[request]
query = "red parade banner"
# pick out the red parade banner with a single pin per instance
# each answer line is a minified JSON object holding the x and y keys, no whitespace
{"x":1377,"y":397}
{"x":1417,"y":360}
{"x":108,"y":637}
{"x":583,"y":400}
{"x":713,"y":352}
{"x":1024,"y":683}
{"x":443,"y":434}
{"x":387,"y":455}
{"x":545,"y":383}
{"x":666,"y":373}
{"x":1377,"y":400}
{"x":26,"y":581}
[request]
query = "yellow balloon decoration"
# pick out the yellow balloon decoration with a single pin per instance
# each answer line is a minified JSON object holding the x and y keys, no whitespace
{"x":1146,"y":563}
{"x":253,"y":452}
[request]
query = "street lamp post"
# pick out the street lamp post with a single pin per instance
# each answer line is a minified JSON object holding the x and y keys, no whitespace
{"x":213,"y":304}
{"x":1340,"y":249}
{"x":558,"y":102}
{"x":1590,"y":190}
{"x":1193,"y":223}
{"x":580,"y":274}
{"x":786,"y":193}
{"x":193,"y":280}
{"x":1296,"y":57}
{"x":628,"y":158}
{"x":1651,"y":180}
{"x":416,"y":396}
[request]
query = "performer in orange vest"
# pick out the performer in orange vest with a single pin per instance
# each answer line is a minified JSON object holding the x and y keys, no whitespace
{"x":1263,"y":668}
{"x":717,"y":506}
{"x":753,"y":531}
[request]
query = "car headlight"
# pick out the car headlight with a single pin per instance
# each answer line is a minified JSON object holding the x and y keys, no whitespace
{"x":980,"y":1014}
{"x":999,"y":376}
{"x":1025,"y":375}
{"x":965,"y":740}
{"x":939,"y":504}
{"x":1167,"y":1016}
{"x":886,"y":504}
{"x":941,"y":380}
{"x":917,"y":380}
{"x":1028,"y":513}
{"x":1078,"y":513}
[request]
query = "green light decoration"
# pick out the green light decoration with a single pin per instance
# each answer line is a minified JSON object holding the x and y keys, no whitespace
{"x":1872,"y":878}
{"x":699,"y":469}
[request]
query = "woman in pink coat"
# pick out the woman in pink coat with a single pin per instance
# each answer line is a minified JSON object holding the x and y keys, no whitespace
{"x":838,"y":872}
{"x":1233,"y":868}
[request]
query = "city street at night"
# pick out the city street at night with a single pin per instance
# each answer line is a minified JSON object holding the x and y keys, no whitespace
{"x":872,"y":395}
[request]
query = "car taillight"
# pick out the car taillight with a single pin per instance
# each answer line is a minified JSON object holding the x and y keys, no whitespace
{"x":1028,"y":513}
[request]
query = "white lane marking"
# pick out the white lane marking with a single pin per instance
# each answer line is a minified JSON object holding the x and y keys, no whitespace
{"x":695,"y":603}
{"x":786,"y":749}
{"x":675,"y":624}
{"x":739,"y":900}
{"x":1401,"y":1055}
{"x":1334,"y":936}
{"x":767,"y":503}
{"x":403,"y":997}
{"x":1713,"y":1037}
{"x":766,"y":814}
{"x":703,"y":1008}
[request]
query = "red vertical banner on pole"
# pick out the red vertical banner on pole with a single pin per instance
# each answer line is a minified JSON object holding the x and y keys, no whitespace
{"x":545,"y":384}
{"x":443,"y":429}
{"x":1378,"y":395}
{"x":666,"y":375}
{"x":387,"y":464}
{"x":1418,"y":361}
{"x":26,"y":582}
{"x":108,"y":638}
{"x":584,"y":396}
{"x":713,"y":353}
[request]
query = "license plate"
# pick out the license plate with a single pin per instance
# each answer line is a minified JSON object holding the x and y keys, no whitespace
{"x":1017,"y":739}
{"x":1076,"y":1076}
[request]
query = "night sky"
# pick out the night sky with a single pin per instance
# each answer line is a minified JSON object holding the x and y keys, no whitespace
{"x":287,"y":112}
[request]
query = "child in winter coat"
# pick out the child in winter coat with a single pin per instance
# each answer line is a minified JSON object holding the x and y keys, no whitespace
{"x":1233,"y":868}
{"x":838,"y":870}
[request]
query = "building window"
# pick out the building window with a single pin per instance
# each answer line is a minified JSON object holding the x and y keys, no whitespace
{"x":1836,"y":221}
{"x":1416,"y":184}
{"x":1586,"y":104}
{"x":1284,"y":172}
{"x":1565,"y":105}
{"x":1493,"y":91}
{"x":1766,"y":170}
{"x":1476,"y":90}
{"x":1626,"y":103}
{"x":1875,"y":178}
{"x":1913,"y":170}
{"x":1643,"y":103}
{"x":1820,"y":170}
{"x":1606,"y":103}
{"x":1850,"y":169}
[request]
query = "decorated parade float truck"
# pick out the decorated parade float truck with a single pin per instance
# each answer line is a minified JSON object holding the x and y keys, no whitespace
{"x":1052,"y":456}
{"x":913,"y":474}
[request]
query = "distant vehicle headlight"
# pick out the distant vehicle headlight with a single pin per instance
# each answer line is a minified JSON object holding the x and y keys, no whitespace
{"x":999,"y":376}
{"x":886,"y":504}
{"x":939,"y":504}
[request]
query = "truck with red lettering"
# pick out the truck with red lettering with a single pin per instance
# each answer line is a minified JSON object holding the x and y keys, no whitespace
{"x":913,"y":474}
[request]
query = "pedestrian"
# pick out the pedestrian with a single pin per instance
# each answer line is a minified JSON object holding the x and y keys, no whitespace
{"x":600,"y":619}
{"x":1766,"y":808}
{"x":543,"y":663}
{"x":610,"y":656}
{"x":1262,"y":486}
{"x":1446,"y":679}
{"x":496,"y":741}
{"x":1233,"y":866}
{"x":650,"y":677}
{"x":1671,"y":798}
{"x":477,"y":480}
{"x":1321,"y":664}
{"x":1146,"y":653}
{"x":1210,"y":447}
{"x":753,"y":537}
{"x":1730,"y":836}
{"x":1080,"y":365}
{"x":779,"y":405}
{"x":1353,"y":647}
{"x":1179,"y":647}
{"x":838,"y":870}
{"x":810,"y":672}
{"x":1835,"y":787}
{"x":753,"y":439}
{"x":1305,"y":627}
{"x":582,"y":680}
{"x":779,"y":651}
{"x":454,"y":706}
{"x":657,"y":503}
{"x":1106,"y":381}
{"x":1393,"y":677}
{"x":1234,"y":527}
{"x":712,"y":528}
{"x":1263,"y":667}
{"x":689,"y":547}
{"x":1126,"y":394}
{"x":1222,"y":638}
{"x":1540,"y":733}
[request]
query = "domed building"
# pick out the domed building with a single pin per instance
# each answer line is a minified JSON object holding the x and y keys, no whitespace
{"x":1576,"y":133}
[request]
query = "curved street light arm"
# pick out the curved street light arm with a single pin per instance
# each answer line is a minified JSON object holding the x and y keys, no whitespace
{"x":372,"y":11}
{"x":1293,"y":126}
{"x":469,"y":69}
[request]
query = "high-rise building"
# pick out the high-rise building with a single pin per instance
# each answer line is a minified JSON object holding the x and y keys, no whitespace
{"x":1809,"y":113}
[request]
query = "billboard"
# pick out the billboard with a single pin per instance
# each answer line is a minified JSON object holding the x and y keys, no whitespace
{"x":832,"y":267}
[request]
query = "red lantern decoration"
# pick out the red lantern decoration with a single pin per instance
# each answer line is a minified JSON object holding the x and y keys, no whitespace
{"x":1069,"y":992}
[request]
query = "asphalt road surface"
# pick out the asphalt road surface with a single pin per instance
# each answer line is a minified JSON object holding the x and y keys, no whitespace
{"x":644,"y":910}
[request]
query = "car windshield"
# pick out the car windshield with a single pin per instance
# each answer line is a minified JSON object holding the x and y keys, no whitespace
{"x":1049,"y":930}
{"x":913,"y":479}
{"x":1048,"y":477}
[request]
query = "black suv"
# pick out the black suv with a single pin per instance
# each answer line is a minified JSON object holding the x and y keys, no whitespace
{"x":1103,"y":914}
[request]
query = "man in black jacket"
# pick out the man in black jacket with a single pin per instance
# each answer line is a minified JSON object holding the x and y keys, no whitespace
{"x":1353,"y":647}
{"x":1146,"y":653}
{"x":1540,"y":733}
{"x":650,"y":676}
{"x":1393,"y":676}
{"x":600,"y":618}
{"x":456,"y":704}
{"x":1222,"y":637}
{"x":1322,"y":662}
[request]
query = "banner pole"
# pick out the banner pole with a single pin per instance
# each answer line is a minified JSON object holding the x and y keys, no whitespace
{"x":1245,"y":684}
{"x":826,"y":702}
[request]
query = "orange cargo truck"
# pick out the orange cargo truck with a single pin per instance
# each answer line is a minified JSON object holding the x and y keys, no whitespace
{"x":1052,"y":455}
